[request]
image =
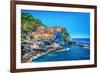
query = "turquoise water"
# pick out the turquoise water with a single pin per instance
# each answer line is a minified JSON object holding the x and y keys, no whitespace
{"x":74,"y":53}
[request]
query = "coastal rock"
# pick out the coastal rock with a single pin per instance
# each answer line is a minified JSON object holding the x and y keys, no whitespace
{"x":59,"y":39}
{"x":26,"y":57}
{"x":34,"y":53}
{"x":80,"y":44}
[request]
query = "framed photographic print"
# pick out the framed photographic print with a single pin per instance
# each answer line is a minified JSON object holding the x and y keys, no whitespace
{"x":52,"y":36}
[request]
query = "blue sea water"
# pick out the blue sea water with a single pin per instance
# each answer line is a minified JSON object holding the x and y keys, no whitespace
{"x":74,"y":53}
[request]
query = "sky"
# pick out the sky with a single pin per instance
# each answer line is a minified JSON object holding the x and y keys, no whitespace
{"x":76,"y":23}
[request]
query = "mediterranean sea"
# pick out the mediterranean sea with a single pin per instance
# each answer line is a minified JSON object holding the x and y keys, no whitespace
{"x":69,"y":53}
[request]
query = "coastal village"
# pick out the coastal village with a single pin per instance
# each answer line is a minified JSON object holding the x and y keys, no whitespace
{"x":37,"y":39}
{"x":43,"y":33}
{"x":42,"y":41}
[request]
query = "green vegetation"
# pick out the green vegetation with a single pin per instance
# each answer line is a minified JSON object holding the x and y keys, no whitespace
{"x":28,"y":24}
{"x":66,"y":34}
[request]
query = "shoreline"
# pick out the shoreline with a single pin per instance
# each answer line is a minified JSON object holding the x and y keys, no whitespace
{"x":39,"y":55}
